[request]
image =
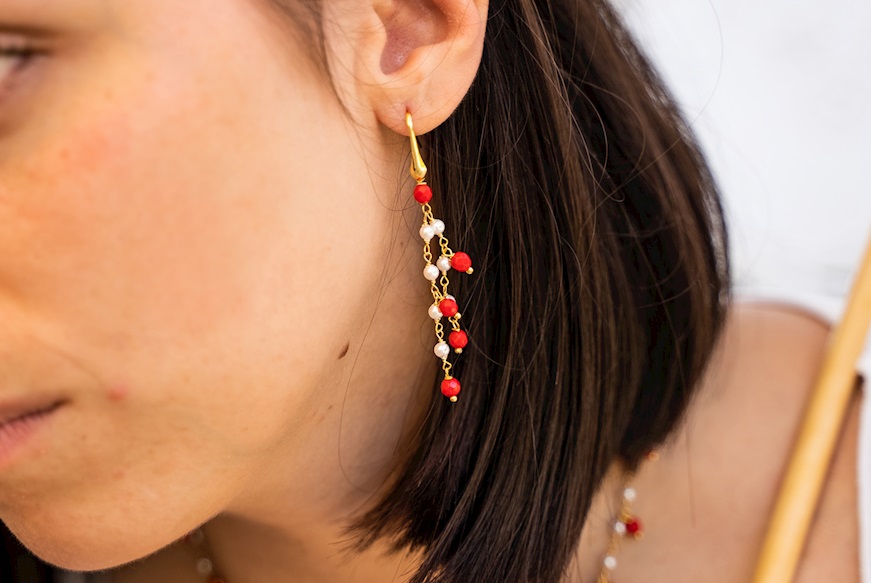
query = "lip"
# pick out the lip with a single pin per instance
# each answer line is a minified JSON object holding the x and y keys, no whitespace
{"x":20,"y":421}
{"x":13,"y":410}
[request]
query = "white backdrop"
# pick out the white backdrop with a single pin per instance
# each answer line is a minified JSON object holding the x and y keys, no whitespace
{"x":779,"y":93}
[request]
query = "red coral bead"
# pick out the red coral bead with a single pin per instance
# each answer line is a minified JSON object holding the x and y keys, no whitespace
{"x":461,"y":261}
{"x":448,"y":307}
{"x":458,"y":339}
{"x":422,"y":193}
{"x":633,"y":526}
{"x":450,"y":387}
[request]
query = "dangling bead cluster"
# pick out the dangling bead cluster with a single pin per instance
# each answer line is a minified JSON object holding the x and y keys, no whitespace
{"x":625,"y":524}
{"x":204,"y":565}
{"x":444,"y":304}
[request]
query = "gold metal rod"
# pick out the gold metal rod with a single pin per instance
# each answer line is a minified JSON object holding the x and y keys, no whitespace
{"x":811,"y":456}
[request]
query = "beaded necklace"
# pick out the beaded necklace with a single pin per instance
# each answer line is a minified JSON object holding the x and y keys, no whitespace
{"x":624,"y":524}
{"x":205,"y":565}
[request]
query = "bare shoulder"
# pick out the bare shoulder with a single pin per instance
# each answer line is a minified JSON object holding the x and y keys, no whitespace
{"x":711,"y":493}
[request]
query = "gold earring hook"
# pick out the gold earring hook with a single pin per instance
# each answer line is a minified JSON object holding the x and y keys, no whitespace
{"x":418,"y":168}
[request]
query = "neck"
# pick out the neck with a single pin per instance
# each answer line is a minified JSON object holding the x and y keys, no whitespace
{"x":249,"y":552}
{"x":245,"y":551}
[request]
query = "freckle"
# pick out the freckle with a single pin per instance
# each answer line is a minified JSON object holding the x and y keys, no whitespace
{"x":117,"y":393}
{"x":118,"y":474}
{"x":345,"y":349}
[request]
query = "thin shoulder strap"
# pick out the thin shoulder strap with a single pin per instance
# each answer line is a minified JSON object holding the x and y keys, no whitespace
{"x":809,"y":463}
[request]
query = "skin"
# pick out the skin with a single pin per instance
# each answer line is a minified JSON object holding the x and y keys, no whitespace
{"x":217,"y":271}
{"x":707,"y":499}
{"x":219,"y":275}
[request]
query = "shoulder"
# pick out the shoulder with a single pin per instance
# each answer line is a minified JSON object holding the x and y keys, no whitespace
{"x":832,"y":550}
{"x":721,"y":474}
{"x":757,"y":394}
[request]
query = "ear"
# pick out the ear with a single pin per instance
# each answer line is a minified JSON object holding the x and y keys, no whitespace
{"x":406,"y":55}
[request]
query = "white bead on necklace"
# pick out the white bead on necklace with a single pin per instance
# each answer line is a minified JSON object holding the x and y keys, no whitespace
{"x":625,"y":523}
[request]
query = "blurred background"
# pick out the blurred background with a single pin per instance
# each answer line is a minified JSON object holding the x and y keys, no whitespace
{"x":778,"y":92}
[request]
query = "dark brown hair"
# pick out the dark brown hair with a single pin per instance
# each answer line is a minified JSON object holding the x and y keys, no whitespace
{"x":600,"y":289}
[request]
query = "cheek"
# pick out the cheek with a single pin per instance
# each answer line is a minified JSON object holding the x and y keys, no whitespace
{"x":117,"y":393}
{"x":151,"y":223}
{"x":206,"y":276}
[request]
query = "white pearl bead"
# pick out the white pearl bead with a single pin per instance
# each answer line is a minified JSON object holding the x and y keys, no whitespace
{"x":438,"y":226}
{"x":450,"y":296}
{"x":204,"y":566}
{"x":620,"y":527}
{"x":434,"y":312}
{"x":629,"y":494}
{"x":610,"y":562}
{"x":443,"y":263}
{"x":427,"y":232}
{"x":431,"y":272}
{"x":197,"y":536}
{"x":442,"y":350}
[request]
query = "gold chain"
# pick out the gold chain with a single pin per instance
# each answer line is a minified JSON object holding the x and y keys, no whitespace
{"x":624,"y":524}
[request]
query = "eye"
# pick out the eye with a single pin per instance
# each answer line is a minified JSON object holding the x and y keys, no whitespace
{"x":12,"y":58}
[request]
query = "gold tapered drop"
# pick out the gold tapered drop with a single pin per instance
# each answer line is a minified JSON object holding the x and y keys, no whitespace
{"x":418,"y":168}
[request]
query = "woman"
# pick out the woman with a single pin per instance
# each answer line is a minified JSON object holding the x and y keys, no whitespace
{"x":214,"y":310}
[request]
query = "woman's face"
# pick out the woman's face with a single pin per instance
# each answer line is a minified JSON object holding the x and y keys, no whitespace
{"x":190,"y":235}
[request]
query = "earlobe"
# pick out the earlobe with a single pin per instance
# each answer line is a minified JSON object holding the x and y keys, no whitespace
{"x":419,"y":56}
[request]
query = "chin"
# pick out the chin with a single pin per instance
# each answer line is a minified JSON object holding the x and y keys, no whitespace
{"x":80,"y":545}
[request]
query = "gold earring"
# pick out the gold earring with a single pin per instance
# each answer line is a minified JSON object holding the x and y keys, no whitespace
{"x":444,"y":304}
